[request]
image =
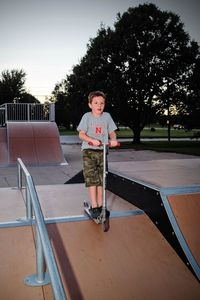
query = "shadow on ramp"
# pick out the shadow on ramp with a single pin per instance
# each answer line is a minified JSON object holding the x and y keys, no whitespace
{"x":131,"y":261}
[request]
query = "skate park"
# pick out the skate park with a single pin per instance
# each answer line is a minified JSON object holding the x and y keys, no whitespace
{"x":152,"y":249}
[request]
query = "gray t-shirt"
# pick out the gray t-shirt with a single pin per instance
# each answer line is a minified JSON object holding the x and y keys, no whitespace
{"x":96,"y":127}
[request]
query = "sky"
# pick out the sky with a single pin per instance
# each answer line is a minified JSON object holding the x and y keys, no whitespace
{"x":46,"y":38}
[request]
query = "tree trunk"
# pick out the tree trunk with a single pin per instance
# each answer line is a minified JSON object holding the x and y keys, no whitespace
{"x":168,"y":124}
{"x":136,"y":138}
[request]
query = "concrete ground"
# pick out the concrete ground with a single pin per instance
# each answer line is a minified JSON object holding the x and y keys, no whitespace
{"x":56,"y":174}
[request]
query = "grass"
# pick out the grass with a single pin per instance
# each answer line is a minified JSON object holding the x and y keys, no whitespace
{"x":190,"y":147}
{"x":158,"y":133}
{"x":146,"y":133}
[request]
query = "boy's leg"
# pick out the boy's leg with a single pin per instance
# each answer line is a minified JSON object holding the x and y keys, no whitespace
{"x":93,"y":173}
{"x":99,"y":196}
{"x":93,"y":199}
{"x":92,"y":190}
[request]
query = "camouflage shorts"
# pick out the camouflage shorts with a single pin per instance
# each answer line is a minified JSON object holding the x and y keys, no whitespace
{"x":93,"y":167}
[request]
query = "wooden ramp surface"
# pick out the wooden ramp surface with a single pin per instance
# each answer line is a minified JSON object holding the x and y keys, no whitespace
{"x":17,"y":260}
{"x":56,"y":201}
{"x":186,"y":209}
{"x":161,"y":173}
{"x":131,"y":261}
{"x":34,"y":142}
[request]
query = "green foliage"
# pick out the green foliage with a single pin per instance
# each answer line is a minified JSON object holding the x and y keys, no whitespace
{"x":11,"y":85}
{"x":12,"y":88}
{"x":27,"y":98}
{"x":144,"y":65}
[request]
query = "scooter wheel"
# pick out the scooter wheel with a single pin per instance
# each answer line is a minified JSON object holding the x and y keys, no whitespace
{"x":106,"y":225}
{"x":85,"y":204}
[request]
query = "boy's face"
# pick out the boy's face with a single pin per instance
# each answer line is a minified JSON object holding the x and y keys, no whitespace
{"x":97,"y":105}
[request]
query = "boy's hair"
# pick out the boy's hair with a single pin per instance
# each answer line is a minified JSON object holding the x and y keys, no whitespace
{"x":95,"y":94}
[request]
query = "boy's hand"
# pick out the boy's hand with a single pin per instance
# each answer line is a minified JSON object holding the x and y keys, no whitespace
{"x":96,"y":143}
{"x":113,"y":143}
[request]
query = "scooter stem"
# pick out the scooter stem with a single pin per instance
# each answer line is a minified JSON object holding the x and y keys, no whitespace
{"x":104,"y":175}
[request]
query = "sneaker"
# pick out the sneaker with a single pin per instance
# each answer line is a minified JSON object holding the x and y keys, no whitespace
{"x":94,"y":212}
{"x":107,"y":212}
{"x":100,"y":209}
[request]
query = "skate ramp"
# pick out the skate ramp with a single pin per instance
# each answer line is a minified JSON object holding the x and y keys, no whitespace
{"x":183,"y":210}
{"x":130,"y":261}
{"x":17,"y":254}
{"x":168,"y":191}
{"x":186,"y":210}
{"x":34,"y":143}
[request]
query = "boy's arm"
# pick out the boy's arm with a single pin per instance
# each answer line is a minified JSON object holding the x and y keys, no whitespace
{"x":84,"y":137}
{"x":113,"y":139}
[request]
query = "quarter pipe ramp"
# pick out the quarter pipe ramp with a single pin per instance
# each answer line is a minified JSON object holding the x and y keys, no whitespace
{"x":33,"y":142}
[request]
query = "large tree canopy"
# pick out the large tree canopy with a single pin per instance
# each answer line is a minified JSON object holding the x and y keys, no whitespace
{"x":12,"y":87}
{"x":189,"y":108}
{"x":145,"y":63}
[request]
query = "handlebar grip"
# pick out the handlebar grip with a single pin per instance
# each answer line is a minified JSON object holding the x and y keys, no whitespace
{"x":91,"y":144}
{"x":118,"y":144}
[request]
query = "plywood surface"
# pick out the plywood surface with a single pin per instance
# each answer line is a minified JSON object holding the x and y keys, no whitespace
{"x":17,"y":260}
{"x":131,"y":261}
{"x":186,"y":209}
{"x":161,"y":173}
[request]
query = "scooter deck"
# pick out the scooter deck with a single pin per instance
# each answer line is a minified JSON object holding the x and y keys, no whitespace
{"x":105,"y":223}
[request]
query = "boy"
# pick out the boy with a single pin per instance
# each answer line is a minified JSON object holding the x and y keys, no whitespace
{"x":94,"y":128}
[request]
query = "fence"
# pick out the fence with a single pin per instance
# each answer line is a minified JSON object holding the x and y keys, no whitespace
{"x":26,"y":112}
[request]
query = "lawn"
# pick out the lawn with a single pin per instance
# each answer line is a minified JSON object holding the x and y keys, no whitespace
{"x":146,"y":133}
{"x":190,"y":147}
{"x":158,"y":133}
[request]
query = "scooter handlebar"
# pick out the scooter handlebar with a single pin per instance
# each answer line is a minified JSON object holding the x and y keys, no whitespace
{"x":109,"y":144}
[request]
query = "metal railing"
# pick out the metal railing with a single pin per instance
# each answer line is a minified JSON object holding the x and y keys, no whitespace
{"x":27,"y":112}
{"x":44,"y":252}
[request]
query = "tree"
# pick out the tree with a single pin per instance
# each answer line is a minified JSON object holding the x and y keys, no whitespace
{"x":69,"y":97}
{"x":154,"y":57}
{"x":12,"y":88}
{"x":61,"y":105}
{"x":142,"y":65}
{"x":189,"y":110}
{"x":11,"y":85}
{"x":27,"y":98}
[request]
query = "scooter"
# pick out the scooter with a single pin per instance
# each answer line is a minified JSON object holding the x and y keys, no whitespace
{"x":103,"y":218}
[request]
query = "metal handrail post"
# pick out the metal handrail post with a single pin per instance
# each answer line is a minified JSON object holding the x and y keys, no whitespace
{"x":27,"y":196}
{"x":19,"y":176}
{"x":29,"y":211}
{"x":39,"y":258}
{"x":44,"y":251}
{"x":54,"y":275}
